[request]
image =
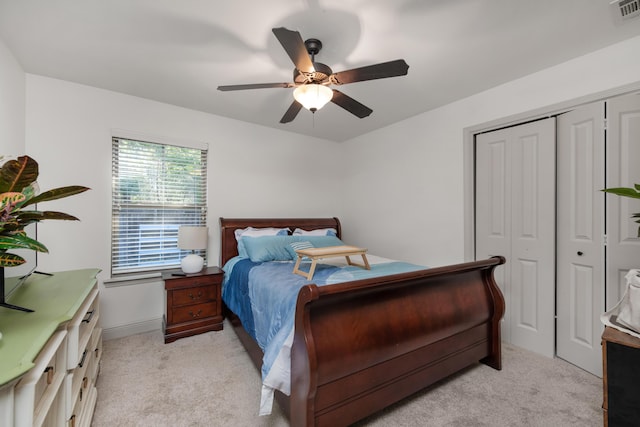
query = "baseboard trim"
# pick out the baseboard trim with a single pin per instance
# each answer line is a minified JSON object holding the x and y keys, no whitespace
{"x":132,"y":329}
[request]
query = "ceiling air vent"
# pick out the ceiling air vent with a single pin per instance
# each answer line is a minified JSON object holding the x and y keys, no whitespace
{"x":628,"y":8}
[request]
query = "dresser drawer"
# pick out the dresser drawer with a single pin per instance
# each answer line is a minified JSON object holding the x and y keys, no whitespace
{"x":37,"y":394}
{"x":96,"y":356}
{"x":83,"y":409}
{"x":194,"y":312}
{"x":193,"y":295}
{"x":81,"y":327}
{"x":191,"y":281}
{"x":80,"y":379}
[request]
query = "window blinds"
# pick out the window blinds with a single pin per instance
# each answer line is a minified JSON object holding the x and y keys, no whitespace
{"x":156,"y":189}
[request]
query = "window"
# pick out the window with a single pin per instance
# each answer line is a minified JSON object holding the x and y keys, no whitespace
{"x":156,"y":189}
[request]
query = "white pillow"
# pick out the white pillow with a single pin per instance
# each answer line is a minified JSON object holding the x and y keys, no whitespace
{"x":316,"y":232}
{"x":255,"y":232}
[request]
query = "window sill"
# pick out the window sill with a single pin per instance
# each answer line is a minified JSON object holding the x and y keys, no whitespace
{"x":132,"y":280}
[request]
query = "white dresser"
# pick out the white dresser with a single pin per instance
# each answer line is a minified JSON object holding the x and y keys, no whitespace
{"x":50,"y":359}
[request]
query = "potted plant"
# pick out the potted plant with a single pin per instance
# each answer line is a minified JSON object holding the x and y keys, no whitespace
{"x":18,"y":198}
{"x":633,"y":193}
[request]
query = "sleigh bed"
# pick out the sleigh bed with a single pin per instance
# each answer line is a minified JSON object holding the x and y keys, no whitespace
{"x":362,"y":345}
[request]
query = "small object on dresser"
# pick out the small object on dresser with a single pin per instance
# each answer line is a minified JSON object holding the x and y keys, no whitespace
{"x":193,"y":303}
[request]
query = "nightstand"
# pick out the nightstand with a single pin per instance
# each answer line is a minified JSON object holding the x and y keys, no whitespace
{"x":621,"y":379}
{"x":194,"y":303}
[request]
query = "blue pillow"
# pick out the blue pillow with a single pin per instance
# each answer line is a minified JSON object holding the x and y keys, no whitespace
{"x":294,"y":246}
{"x":321,"y":241}
{"x":242,"y":251}
{"x":276,"y":248}
{"x":267,"y":248}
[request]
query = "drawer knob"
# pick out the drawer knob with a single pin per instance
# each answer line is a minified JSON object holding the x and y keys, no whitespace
{"x":194,"y":315}
{"x":197,"y":296}
{"x":84,"y":354}
{"x":88,"y":317}
{"x":50,"y":371}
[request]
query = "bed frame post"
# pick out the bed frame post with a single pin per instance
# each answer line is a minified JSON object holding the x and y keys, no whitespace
{"x":494,"y":359}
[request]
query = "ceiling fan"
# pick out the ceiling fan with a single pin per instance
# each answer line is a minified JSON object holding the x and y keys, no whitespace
{"x":312,"y":79}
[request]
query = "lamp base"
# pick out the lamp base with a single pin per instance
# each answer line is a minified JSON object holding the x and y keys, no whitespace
{"x":192,"y":263}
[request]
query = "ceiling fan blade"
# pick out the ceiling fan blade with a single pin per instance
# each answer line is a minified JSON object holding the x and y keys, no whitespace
{"x":350,"y":104}
{"x":371,"y":72}
{"x":292,"y":112}
{"x":293,"y":44}
{"x":255,"y":86}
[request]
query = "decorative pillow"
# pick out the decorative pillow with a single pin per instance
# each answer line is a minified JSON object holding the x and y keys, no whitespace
{"x":294,"y":246}
{"x":276,"y":248}
{"x":267,"y":248}
{"x":255,"y":232}
{"x":316,"y":232}
{"x":321,"y":241}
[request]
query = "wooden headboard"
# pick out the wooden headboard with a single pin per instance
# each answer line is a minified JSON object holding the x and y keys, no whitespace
{"x":229,"y":246}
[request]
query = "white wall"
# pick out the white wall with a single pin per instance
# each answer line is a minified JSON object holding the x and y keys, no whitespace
{"x":253,"y":171}
{"x":12,"y":104}
{"x":405,"y":190}
{"x":398,"y":191}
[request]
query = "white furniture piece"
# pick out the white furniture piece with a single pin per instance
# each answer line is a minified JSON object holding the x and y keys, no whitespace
{"x":50,"y":359}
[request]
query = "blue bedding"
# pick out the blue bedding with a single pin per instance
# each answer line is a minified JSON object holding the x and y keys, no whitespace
{"x":263,"y":295}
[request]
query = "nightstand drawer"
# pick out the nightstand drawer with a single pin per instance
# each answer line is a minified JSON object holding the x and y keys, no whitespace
{"x":194,"y":295}
{"x":194,"y":312}
{"x":189,"y":281}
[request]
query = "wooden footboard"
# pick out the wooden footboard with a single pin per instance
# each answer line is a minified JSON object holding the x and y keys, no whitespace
{"x":361,"y":346}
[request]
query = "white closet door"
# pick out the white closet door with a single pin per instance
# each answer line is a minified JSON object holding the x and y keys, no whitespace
{"x":623,"y":158}
{"x":580,"y":263}
{"x":493,"y":210}
{"x":515,"y":217}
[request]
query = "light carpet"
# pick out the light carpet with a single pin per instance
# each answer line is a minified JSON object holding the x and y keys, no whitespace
{"x":209,"y":380}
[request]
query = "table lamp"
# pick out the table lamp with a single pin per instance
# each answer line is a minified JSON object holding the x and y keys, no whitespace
{"x":192,"y":238}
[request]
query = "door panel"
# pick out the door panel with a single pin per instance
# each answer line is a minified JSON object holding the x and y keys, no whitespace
{"x":623,"y":154}
{"x":580,"y":276}
{"x":493,"y":210}
{"x":515,"y":188}
{"x":533,"y":235}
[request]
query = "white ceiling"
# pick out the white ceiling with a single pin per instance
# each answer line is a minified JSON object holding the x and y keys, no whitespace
{"x":179,"y":51}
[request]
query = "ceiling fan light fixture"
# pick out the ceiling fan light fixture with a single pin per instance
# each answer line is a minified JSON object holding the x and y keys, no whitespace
{"x":312,"y":96}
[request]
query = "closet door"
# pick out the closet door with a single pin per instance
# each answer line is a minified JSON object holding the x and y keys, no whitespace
{"x":515,"y":217}
{"x":580,"y":276}
{"x":493,"y":210}
{"x":623,"y":170}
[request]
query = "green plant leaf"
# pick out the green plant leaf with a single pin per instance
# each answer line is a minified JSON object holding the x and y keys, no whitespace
{"x":12,"y":197}
{"x":28,"y":217}
{"x":22,"y":241}
{"x":56,"y":193}
{"x":17,"y":174}
{"x":624,"y":192}
{"x":10,"y":260}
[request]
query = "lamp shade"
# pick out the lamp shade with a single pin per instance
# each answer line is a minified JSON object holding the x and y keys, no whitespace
{"x":192,"y":238}
{"x":313,"y":97}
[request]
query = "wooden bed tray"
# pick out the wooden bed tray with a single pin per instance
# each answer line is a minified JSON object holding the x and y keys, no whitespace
{"x":361,"y":346}
{"x":317,"y":254}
